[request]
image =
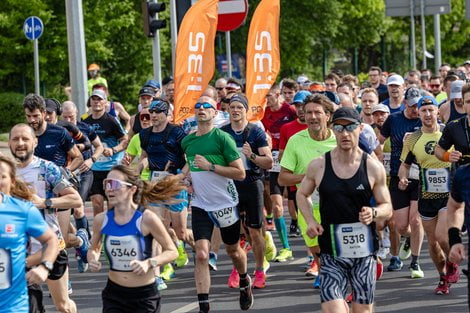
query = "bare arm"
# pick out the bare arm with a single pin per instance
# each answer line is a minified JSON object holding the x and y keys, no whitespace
{"x":123,"y":115}
{"x":454,"y":156}
{"x":455,"y":219}
{"x":159,"y":232}
{"x":235,"y":170}
{"x":75,"y":155}
{"x":288,"y":178}
{"x":68,"y":198}
{"x":444,"y":111}
{"x":50,"y":251}
{"x":87,"y":164}
{"x":94,"y":251}
{"x":263,"y":159}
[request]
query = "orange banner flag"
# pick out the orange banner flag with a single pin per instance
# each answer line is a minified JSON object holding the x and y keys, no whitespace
{"x":262,"y":56}
{"x":195,"y":59}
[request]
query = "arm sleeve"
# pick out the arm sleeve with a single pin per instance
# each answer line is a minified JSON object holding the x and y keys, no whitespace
{"x":36,"y":225}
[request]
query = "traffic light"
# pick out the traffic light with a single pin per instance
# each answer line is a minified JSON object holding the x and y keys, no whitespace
{"x":151,"y":23}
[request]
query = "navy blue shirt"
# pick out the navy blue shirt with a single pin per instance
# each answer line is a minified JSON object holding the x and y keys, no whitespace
{"x":88,"y":132}
{"x":161,"y":151}
{"x":395,"y":127}
{"x":256,"y":138}
{"x":461,"y":188}
{"x":54,"y":144}
{"x":387,"y":103}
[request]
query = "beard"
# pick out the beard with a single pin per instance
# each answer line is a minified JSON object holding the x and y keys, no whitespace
{"x":23,"y":158}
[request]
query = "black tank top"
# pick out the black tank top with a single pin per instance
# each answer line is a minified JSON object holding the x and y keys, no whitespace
{"x":341,"y":200}
{"x":137,"y":127}
{"x":454,"y":115}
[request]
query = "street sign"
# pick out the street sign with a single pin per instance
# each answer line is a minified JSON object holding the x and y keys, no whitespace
{"x":232,"y":13}
{"x":33,"y":27}
{"x":403,"y":8}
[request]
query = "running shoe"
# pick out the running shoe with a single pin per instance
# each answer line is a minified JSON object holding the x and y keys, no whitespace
{"x":383,"y":252}
{"x":168,"y":272}
{"x":380,"y":269}
{"x":442,"y":287}
{"x":182,"y":258}
{"x":69,"y":287}
{"x":213,"y":261}
{"x":270,"y":222}
{"x":313,"y":270}
{"x":246,"y":295}
{"x":83,"y":249}
{"x":234,"y":279}
{"x":307,"y":264}
{"x":266,"y":265}
{"x":260,"y":280}
{"x":453,"y":273}
{"x":160,"y":283}
{"x":395,"y":264}
{"x":316,"y":283}
{"x":270,"y":250}
{"x":294,"y":231}
{"x":246,"y":246}
{"x":284,"y":255}
{"x":416,"y":271}
{"x":405,"y":251}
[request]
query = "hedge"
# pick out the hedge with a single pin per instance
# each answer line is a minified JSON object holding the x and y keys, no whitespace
{"x":11,"y":110}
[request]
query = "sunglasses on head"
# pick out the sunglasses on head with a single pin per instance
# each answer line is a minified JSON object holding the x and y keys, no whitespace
{"x":205,"y":105}
{"x":349,"y":128}
{"x":156,"y":111}
{"x":145,"y":116}
{"x":114,"y":184}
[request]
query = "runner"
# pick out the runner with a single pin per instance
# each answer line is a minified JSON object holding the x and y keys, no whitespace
{"x":126,"y":231}
{"x":454,"y":108}
{"x":214,"y":161}
{"x":347,"y":179}
{"x":396,"y":88}
{"x":301,"y":149}
{"x":434,"y":179}
{"x":256,"y":155}
{"x":20,"y":220}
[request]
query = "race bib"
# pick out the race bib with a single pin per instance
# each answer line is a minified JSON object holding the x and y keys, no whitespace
{"x":5,"y":269}
{"x":353,"y":240}
{"x":225,"y":217}
{"x":276,"y":165}
{"x":158,"y":175}
{"x":386,"y":162}
{"x":436,"y":180}
{"x":121,"y":251}
{"x":414,"y":171}
{"x":245,"y":160}
{"x":103,"y":158}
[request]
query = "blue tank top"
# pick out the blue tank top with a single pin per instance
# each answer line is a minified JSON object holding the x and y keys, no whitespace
{"x":124,"y":243}
{"x":454,"y":115}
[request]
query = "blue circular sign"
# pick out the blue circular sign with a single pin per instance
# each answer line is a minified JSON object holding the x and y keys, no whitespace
{"x":33,"y":27}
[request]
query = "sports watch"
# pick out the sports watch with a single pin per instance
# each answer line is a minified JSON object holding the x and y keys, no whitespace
{"x":48,"y":265}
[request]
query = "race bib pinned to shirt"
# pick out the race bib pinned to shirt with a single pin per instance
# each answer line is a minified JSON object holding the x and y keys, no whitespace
{"x":102,"y":158}
{"x":352,"y":240}
{"x":436,"y":180}
{"x":386,"y":162}
{"x":276,"y":164}
{"x":121,"y":250}
{"x":5,"y":269}
{"x":225,"y":217}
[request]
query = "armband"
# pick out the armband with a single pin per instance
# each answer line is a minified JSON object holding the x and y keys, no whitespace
{"x":454,"y":236}
{"x":446,"y":156}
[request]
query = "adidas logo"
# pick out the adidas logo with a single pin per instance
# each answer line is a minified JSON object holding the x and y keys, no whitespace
{"x":360,"y":187}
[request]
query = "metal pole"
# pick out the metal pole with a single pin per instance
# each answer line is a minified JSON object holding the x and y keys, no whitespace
{"x":157,"y":68}
{"x":36,"y":66}
{"x":77,"y":55}
{"x":437,"y":38}
{"x":423,"y":34}
{"x":413,"y":43}
{"x":229,"y":54}
{"x":174,"y":33}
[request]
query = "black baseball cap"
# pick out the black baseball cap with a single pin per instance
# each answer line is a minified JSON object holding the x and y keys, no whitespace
{"x":348,"y":114}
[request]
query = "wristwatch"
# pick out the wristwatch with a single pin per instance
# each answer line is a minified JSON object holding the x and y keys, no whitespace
{"x":374,"y":213}
{"x":48,"y":265}
{"x":48,"y":203}
{"x":153,"y":263}
{"x":212,"y":167}
{"x":253,"y":156}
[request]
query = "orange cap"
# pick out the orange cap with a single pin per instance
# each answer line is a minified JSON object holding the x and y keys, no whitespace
{"x":94,"y":67}
{"x":316,"y":87}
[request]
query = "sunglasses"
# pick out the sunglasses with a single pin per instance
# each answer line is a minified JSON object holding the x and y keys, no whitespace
{"x":145,"y":116}
{"x":219,"y":88}
{"x":114,"y":184}
{"x":434,"y":85}
{"x":156,"y":111}
{"x":349,"y":128}
{"x":205,"y":105}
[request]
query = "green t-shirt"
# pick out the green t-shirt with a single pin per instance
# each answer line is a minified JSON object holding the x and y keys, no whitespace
{"x":135,"y":150}
{"x":211,"y":191}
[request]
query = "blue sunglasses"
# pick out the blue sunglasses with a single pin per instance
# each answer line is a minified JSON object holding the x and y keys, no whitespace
{"x":349,"y":128}
{"x":205,"y":105}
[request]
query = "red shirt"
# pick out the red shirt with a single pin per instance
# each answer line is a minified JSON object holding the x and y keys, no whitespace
{"x":274,"y":120}
{"x":288,"y":130}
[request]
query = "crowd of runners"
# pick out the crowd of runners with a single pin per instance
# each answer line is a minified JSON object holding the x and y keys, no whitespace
{"x":366,"y":170}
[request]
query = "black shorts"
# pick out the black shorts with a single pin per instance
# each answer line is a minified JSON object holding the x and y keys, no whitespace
{"x":97,"y":186}
{"x":402,"y":198}
{"x":60,"y":266}
{"x":251,"y":203}
{"x":274,"y":187}
{"x":120,"y":299}
{"x":291,"y":192}
{"x":35,"y":299}
{"x":203,"y":226}
{"x":429,"y":208}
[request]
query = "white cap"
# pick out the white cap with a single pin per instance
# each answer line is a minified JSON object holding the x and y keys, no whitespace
{"x":456,"y":89}
{"x":395,"y":80}
{"x":302,"y":79}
